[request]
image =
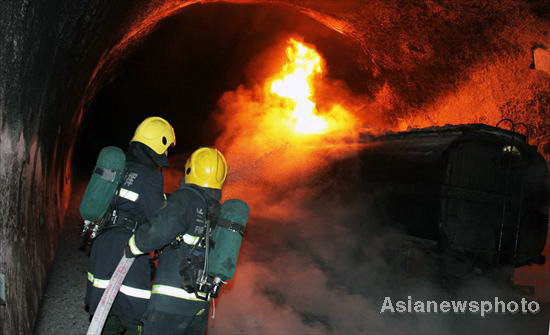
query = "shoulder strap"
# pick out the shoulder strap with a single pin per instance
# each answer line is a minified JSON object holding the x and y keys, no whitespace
{"x":234,"y":226}
{"x":180,"y":238}
{"x":211,"y":205}
{"x":196,"y":191}
{"x":119,"y":186}
{"x":106,"y":174}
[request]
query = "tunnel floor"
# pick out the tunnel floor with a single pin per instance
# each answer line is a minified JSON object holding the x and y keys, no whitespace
{"x":62,"y":310}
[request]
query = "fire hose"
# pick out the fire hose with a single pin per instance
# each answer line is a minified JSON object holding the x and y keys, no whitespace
{"x":108,"y":297}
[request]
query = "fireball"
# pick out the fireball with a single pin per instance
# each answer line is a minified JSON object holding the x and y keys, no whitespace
{"x":294,"y":85}
{"x":277,"y":130}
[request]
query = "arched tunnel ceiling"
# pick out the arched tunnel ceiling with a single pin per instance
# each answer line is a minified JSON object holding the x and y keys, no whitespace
{"x":432,"y":62}
{"x":182,"y":68}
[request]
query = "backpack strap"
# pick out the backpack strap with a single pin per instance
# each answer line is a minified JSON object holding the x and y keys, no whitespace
{"x":212,"y":206}
{"x":106,"y":174}
{"x":234,"y":226}
{"x":196,"y":191}
{"x":186,"y":238}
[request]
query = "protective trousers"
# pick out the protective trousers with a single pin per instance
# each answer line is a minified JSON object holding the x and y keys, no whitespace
{"x":114,"y":325}
{"x":191,"y":319}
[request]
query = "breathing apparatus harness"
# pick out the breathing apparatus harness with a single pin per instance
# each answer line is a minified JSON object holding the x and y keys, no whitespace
{"x":194,"y":268}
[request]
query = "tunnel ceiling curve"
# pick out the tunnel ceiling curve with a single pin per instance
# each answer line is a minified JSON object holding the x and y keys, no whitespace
{"x":423,"y":63}
{"x":159,"y":10}
{"x":181,"y":69}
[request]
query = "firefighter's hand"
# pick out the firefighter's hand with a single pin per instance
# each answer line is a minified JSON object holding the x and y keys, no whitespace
{"x":128,"y":253}
{"x":131,"y":249}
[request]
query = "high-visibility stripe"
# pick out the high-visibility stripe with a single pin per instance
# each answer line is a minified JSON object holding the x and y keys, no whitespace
{"x":100,"y":283}
{"x":190,"y":239}
{"x":127,"y":194}
{"x":133,"y":247}
{"x":127,"y":290}
{"x":175,"y":292}
{"x":135,"y":292}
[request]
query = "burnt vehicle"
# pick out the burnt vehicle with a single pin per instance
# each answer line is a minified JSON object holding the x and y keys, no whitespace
{"x":468,"y":198}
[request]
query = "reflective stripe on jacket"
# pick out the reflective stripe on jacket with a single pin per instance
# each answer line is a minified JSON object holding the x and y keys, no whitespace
{"x":124,"y":289}
{"x":175,"y":292}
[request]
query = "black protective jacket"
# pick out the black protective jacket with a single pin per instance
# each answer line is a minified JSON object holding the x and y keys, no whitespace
{"x":139,"y":197}
{"x":183,"y":216}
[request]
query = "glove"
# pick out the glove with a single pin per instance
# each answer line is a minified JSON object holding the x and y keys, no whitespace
{"x":127,"y":252}
{"x":133,"y":251}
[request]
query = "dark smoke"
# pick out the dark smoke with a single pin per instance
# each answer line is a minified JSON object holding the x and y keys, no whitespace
{"x":326,"y":267}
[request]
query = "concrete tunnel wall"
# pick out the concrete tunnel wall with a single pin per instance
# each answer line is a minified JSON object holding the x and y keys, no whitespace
{"x":55,"y":54}
{"x":48,"y":51}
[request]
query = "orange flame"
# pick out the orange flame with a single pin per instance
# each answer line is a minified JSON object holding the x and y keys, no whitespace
{"x":279,"y":133}
{"x":302,"y":65}
{"x":294,"y":85}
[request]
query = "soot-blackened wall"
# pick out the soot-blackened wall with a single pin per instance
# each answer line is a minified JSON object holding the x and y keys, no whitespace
{"x":48,"y":50}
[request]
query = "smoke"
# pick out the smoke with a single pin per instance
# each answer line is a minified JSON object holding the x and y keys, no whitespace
{"x":283,"y":282}
{"x":316,"y":258}
{"x":270,"y":160}
{"x":328,"y":271}
{"x":301,"y":275}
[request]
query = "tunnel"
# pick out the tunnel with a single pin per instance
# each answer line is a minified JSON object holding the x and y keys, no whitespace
{"x":77,"y":76}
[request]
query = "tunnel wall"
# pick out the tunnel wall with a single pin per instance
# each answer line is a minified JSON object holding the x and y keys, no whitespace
{"x":48,"y":51}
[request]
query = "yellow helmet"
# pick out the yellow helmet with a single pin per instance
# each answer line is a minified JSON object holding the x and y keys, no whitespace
{"x":207,"y":168}
{"x":156,"y":133}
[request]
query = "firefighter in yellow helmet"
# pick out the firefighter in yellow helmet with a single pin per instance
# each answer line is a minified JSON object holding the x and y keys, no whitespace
{"x":139,"y":196}
{"x":176,"y":307}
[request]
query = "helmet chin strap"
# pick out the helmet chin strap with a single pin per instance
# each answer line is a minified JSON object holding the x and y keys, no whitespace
{"x":160,"y":160}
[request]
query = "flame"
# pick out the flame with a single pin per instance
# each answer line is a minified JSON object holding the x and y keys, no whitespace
{"x":279,"y":133}
{"x":294,"y":85}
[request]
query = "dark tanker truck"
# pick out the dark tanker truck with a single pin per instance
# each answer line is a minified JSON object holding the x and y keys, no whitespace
{"x":466,"y":197}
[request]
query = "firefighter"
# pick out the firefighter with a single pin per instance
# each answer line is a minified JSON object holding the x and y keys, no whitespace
{"x":139,"y":197}
{"x":178,"y":226}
